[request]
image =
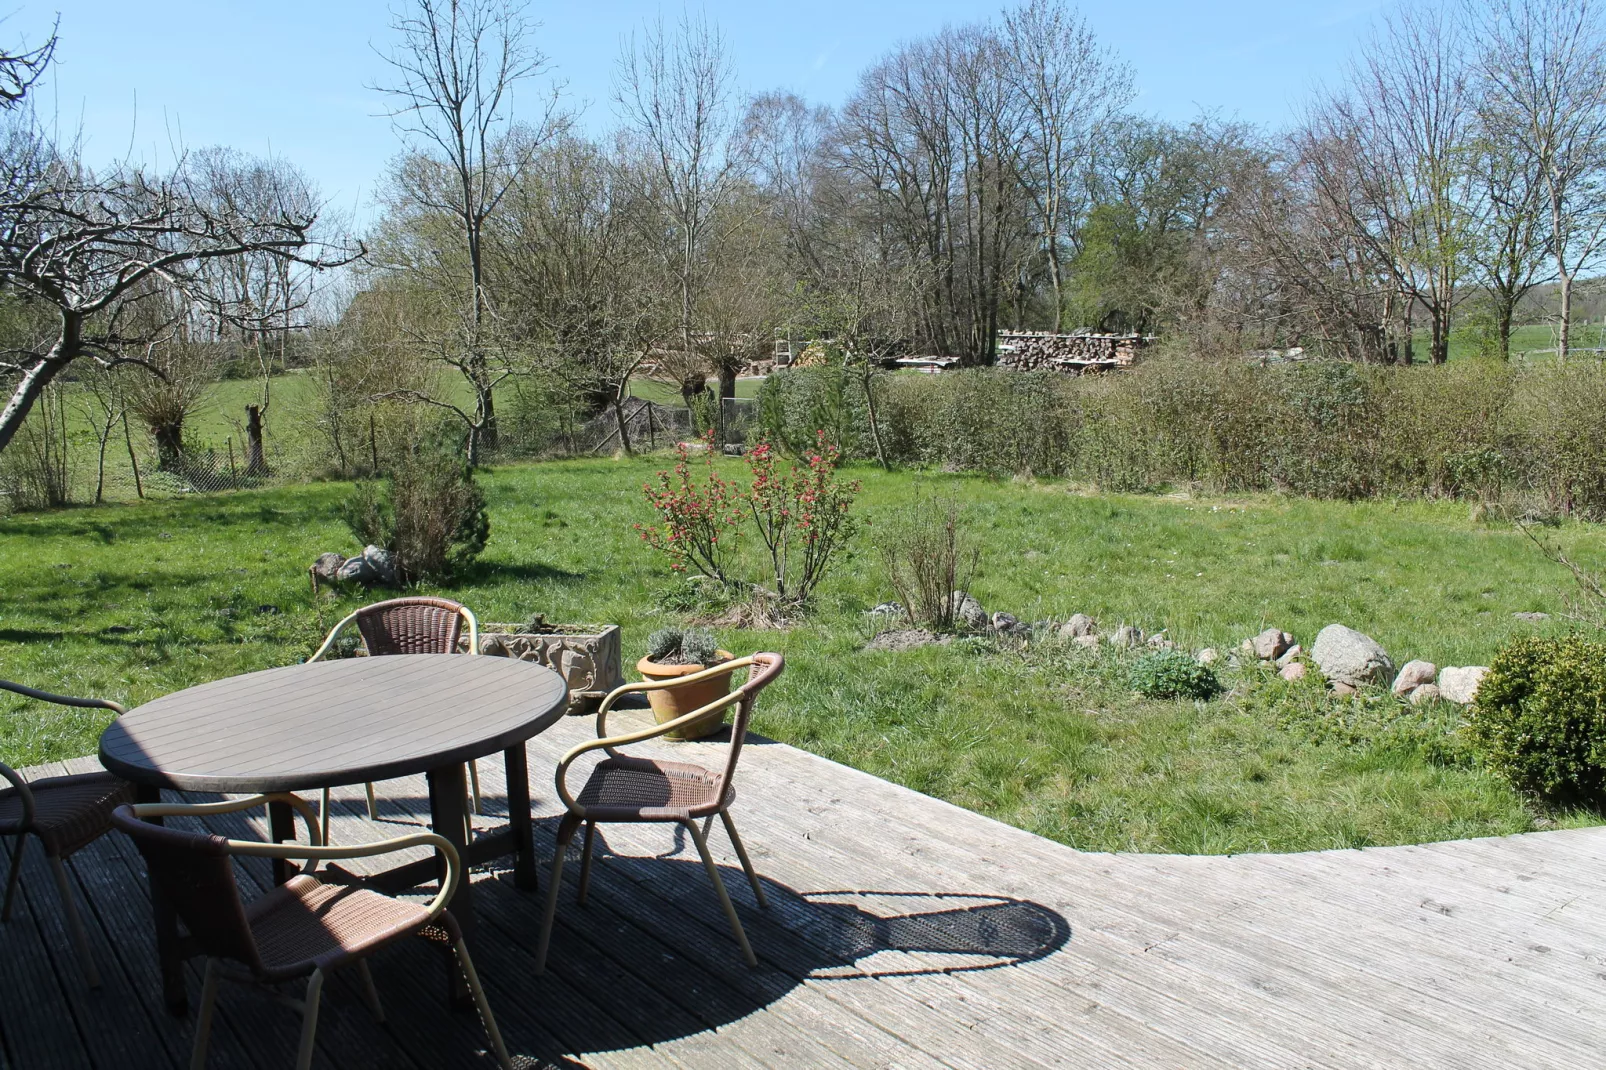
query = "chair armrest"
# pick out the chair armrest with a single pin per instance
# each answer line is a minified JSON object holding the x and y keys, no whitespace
{"x":63,"y":700}
{"x":473,"y":629}
{"x":24,"y":792}
{"x":228,"y":806}
{"x":315,"y":854}
{"x":608,"y":743}
{"x":659,"y":685}
{"x":329,"y":640}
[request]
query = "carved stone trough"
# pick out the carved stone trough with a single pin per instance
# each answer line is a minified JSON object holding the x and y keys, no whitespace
{"x":587,"y":656}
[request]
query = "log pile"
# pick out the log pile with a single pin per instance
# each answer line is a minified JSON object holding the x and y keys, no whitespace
{"x":1073,"y":353}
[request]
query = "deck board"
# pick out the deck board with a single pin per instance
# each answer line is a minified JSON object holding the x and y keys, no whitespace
{"x":883,"y":947}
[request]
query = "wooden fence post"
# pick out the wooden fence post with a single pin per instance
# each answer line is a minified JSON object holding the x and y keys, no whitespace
{"x":132,"y":460}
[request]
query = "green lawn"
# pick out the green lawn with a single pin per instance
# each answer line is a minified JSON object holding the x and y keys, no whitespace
{"x":133,"y":601}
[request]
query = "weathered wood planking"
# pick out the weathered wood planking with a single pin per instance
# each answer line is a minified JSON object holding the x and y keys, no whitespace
{"x":1467,"y":954}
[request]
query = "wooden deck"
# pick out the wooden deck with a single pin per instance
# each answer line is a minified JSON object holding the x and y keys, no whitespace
{"x":902,"y":932}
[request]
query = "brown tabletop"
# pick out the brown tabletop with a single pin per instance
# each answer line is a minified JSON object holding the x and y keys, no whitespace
{"x":333,"y":722}
{"x":345,"y":722}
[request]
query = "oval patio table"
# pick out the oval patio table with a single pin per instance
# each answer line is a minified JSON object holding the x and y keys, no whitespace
{"x":301,"y":727}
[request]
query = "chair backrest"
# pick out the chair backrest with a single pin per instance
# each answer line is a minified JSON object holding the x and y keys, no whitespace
{"x":765,"y":669}
{"x":195,"y":873}
{"x":411,"y":626}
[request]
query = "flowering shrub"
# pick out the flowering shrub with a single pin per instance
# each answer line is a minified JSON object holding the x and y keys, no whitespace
{"x":803,"y":517}
{"x":699,"y":522}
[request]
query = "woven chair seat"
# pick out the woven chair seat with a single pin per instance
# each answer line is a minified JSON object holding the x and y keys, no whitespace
{"x":643,"y":789}
{"x":69,"y":811}
{"x":305,"y":924}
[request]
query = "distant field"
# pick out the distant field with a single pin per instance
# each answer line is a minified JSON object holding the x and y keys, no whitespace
{"x":1525,"y":339}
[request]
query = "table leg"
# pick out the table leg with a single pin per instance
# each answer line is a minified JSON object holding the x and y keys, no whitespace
{"x":281,"y":828}
{"x":447,"y":814}
{"x":167,"y":951}
{"x":518,"y":817}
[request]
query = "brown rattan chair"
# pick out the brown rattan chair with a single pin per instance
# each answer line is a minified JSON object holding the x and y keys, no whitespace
{"x":65,"y":813}
{"x":626,"y":789}
{"x":302,"y":928}
{"x":407,"y":626}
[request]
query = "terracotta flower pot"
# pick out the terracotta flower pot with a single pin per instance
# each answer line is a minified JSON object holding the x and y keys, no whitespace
{"x":671,"y":702}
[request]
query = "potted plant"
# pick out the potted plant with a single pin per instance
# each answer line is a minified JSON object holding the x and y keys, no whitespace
{"x":672,"y":653}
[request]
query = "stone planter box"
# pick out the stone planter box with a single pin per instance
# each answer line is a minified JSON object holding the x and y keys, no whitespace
{"x":587,"y":656}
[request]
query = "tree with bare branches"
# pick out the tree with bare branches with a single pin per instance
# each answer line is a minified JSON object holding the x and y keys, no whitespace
{"x":94,"y":248}
{"x":457,"y":63}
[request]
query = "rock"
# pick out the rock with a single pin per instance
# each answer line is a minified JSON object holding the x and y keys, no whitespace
{"x":1294,"y":670}
{"x":327,"y":567}
{"x":1532,"y":618}
{"x":383,"y":562}
{"x":1080,"y":624}
{"x":1425,"y":693}
{"x":1003,"y":623}
{"x":1270,"y":644}
{"x":1290,"y":655}
{"x":1208,"y":656}
{"x":1087,"y":642}
{"x":1413,"y":676}
{"x":1346,"y":656}
{"x":1127,"y":636}
{"x":1460,"y":685}
{"x":888,"y":609}
{"x":357,"y":570}
{"x":1340,"y":688}
{"x":1161,"y":641}
{"x":968,"y":612}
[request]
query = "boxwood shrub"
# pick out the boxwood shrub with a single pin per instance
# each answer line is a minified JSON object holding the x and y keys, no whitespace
{"x":1173,"y":674}
{"x":1540,"y":717}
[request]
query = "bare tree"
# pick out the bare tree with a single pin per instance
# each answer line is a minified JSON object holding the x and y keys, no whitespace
{"x":457,"y":64}
{"x":93,"y":248}
{"x":22,"y":67}
{"x":1510,"y":243}
{"x":1543,"y":67}
{"x":1072,"y":88}
{"x":674,"y":91}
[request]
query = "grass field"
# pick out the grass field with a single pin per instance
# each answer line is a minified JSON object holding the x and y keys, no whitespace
{"x":134,"y":601}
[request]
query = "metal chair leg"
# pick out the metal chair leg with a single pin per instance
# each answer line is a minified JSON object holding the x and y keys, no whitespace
{"x":323,"y":816}
{"x":203,"y":1020}
{"x":585,"y":863}
{"x":15,"y":878}
{"x":724,"y":896}
{"x":565,"y":834}
{"x":373,"y":806}
{"x":741,"y":853}
{"x":75,"y":923}
{"x":309,"y":1020}
{"x":370,"y":994}
{"x":492,"y":1033}
{"x":474,"y":786}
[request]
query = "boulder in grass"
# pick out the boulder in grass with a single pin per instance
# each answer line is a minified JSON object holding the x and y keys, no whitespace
{"x":1208,"y":656}
{"x":1087,"y":642}
{"x":327,"y":567}
{"x":1293,"y":672}
{"x":356,"y":570}
{"x":1425,"y":693}
{"x":1270,"y":644}
{"x":1460,"y":685}
{"x":1127,"y":636}
{"x":383,"y":563}
{"x":968,"y":612}
{"x":1351,"y":658}
{"x":1414,"y":675}
{"x":1080,"y":624}
{"x":1292,"y":654}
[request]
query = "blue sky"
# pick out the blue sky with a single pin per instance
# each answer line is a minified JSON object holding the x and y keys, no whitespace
{"x":289,"y":75}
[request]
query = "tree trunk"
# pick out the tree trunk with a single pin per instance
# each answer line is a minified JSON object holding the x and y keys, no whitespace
{"x":255,"y":460}
{"x":1566,"y":317}
{"x":624,"y":425}
{"x":727,"y":382}
{"x":875,"y":424}
{"x":1503,"y":313}
{"x":169,"y":437}
{"x":33,"y":382}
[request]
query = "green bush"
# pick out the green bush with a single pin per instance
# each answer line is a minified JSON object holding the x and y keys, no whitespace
{"x":1173,"y":674}
{"x":428,"y":510}
{"x":1540,"y":717}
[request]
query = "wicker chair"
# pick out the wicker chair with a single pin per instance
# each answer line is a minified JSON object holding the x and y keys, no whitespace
{"x":407,"y":626}
{"x":626,"y":789}
{"x":302,"y":928}
{"x":65,"y":813}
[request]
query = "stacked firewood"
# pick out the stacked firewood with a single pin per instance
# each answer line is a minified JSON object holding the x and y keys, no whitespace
{"x":1032,"y":351}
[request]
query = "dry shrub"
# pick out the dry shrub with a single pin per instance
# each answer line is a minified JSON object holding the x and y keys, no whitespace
{"x":928,"y":556}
